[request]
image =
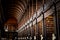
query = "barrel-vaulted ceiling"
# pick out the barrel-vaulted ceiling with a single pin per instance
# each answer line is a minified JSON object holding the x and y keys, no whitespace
{"x":19,"y":8}
{"x":14,"y":8}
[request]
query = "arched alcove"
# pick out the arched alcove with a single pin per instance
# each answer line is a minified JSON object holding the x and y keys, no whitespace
{"x":11,"y":24}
